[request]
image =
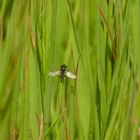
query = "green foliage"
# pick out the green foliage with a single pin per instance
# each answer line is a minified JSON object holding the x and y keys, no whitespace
{"x":98,"y":41}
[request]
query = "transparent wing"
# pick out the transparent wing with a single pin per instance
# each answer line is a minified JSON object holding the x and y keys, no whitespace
{"x":70,"y":75}
{"x":54,"y":73}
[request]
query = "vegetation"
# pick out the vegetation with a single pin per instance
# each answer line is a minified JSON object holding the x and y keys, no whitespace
{"x":98,"y":41}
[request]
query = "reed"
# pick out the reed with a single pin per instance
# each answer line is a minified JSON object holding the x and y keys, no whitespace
{"x":98,"y":41}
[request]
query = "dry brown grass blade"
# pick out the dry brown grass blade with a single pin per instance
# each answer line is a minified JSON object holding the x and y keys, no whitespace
{"x":15,"y":135}
{"x":31,"y":34}
{"x":41,"y":128}
{"x":108,"y":30}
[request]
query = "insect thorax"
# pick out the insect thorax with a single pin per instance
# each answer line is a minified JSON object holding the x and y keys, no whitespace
{"x":63,"y":67}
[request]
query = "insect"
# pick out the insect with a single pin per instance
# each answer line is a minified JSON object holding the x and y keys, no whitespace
{"x":62,"y":72}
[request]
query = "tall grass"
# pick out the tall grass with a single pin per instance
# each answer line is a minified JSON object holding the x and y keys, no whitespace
{"x":98,"y":41}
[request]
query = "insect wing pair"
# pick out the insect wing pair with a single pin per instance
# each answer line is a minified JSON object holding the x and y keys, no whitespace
{"x":62,"y":72}
{"x":58,"y":73}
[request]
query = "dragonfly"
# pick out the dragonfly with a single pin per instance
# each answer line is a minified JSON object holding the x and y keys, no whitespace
{"x":62,"y":72}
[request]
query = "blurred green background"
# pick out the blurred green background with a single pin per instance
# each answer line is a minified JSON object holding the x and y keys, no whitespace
{"x":99,"y":41}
